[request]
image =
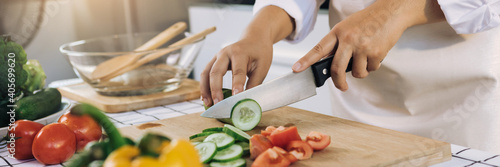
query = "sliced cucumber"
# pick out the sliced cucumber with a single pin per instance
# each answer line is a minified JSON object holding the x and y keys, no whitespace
{"x":200,"y":136}
{"x":246,"y":114}
{"x":228,"y":154}
{"x":240,"y":162}
{"x":214,"y":129}
{"x":245,"y":146}
{"x":206,"y":150}
{"x":238,"y":134}
{"x":221,"y":140}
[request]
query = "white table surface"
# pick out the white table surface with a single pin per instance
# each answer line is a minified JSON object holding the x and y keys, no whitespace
{"x":461,"y":156}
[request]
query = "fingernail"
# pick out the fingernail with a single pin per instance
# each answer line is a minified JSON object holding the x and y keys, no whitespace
{"x":236,"y":91}
{"x":205,"y":101}
{"x":296,"y":66}
{"x":216,"y":100}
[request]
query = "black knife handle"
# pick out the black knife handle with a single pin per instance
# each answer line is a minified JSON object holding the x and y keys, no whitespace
{"x":321,"y":70}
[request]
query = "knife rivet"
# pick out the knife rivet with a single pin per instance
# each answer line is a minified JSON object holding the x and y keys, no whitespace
{"x":324,"y":71}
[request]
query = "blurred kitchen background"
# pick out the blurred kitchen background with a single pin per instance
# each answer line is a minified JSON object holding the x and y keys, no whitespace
{"x":41,"y":26}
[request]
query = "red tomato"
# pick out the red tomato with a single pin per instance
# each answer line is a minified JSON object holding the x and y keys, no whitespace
{"x":317,"y":140}
{"x":270,"y":158}
{"x":268,"y":131}
{"x":258,"y":144}
{"x":285,"y":154}
{"x":84,"y":127}
{"x":281,"y":138}
{"x":25,"y":131}
{"x":300,"y":149}
{"x":54,"y":144}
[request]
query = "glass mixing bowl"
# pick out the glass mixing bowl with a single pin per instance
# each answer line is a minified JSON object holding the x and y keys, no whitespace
{"x":160,"y":75}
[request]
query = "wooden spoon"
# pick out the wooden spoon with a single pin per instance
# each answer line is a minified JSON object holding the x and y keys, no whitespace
{"x":115,"y":64}
{"x":160,"y":53}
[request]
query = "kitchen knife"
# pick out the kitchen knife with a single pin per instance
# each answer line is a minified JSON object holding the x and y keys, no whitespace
{"x":281,"y":91}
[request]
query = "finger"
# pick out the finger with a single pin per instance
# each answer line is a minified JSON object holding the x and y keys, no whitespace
{"x":258,"y":74}
{"x":322,"y":49}
{"x":217,"y":73}
{"x":339,"y":66}
{"x":374,"y":62}
{"x":239,"y":69}
{"x":206,"y":96}
{"x":359,"y":66}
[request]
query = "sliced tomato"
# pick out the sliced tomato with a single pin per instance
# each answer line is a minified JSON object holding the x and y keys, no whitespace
{"x":268,"y":131}
{"x":271,"y":158}
{"x":300,"y":149}
{"x":258,"y":144}
{"x":281,"y":138}
{"x":317,"y":140}
{"x":285,"y":154}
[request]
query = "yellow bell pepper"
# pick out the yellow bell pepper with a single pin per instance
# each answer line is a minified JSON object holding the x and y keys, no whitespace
{"x":122,"y":157}
{"x":146,"y":161}
{"x":180,"y":153}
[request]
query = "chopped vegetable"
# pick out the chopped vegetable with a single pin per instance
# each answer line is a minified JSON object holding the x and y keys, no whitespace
{"x":228,"y":154}
{"x":201,"y":136}
{"x":206,"y":150}
{"x":271,"y":158}
{"x":300,"y":149}
{"x":214,"y":129}
{"x":240,"y":162}
{"x":238,"y":134}
{"x":246,"y":114}
{"x":258,"y":144}
{"x":317,"y":140}
{"x":221,"y":140}
{"x":281,"y":138}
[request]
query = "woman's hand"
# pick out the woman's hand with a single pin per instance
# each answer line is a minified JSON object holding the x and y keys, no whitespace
{"x":247,"y":57}
{"x":368,"y":35}
{"x":251,"y":56}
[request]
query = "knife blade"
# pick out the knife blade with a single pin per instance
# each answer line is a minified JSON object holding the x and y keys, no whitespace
{"x":282,"y":91}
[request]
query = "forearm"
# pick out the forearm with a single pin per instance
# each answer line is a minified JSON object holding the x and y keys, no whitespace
{"x":271,"y":24}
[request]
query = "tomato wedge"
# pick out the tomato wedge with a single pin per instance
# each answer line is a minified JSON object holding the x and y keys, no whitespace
{"x":270,"y":158}
{"x":268,"y":131}
{"x":317,"y":140}
{"x":285,"y":154}
{"x":281,"y":138}
{"x":300,"y":149}
{"x":258,"y":144}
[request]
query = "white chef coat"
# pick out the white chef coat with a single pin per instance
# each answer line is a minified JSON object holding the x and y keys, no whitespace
{"x":440,"y":80}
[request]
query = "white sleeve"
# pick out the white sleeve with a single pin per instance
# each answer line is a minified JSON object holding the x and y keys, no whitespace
{"x":471,"y":16}
{"x":304,"y":13}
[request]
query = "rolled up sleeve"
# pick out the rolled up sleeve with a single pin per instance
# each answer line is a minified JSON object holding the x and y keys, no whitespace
{"x":471,"y":16}
{"x":303,"y":12}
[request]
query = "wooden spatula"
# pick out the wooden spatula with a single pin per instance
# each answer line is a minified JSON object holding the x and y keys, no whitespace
{"x":160,"y":53}
{"x":117,"y":63}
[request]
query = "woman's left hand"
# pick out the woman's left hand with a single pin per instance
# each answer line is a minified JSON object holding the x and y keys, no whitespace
{"x":368,"y":35}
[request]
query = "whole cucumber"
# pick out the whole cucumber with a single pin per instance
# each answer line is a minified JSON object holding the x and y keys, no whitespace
{"x":39,"y":105}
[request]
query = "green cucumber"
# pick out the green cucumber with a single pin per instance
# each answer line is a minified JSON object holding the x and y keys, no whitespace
{"x":221,"y":140}
{"x":228,"y":154}
{"x":238,"y":134}
{"x":226,"y":92}
{"x":240,"y":162}
{"x":214,"y":129}
{"x":206,"y":150}
{"x":245,"y":146}
{"x":246,"y":114}
{"x":39,"y":105}
{"x":200,"y":136}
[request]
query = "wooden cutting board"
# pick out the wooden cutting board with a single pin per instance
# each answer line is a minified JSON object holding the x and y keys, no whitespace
{"x":353,"y":144}
{"x":82,"y":92}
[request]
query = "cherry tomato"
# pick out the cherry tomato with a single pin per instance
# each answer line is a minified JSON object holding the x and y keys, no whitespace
{"x":84,"y":127}
{"x":258,"y":144}
{"x":317,"y":140}
{"x":285,"y":154}
{"x":281,"y":138}
{"x":300,"y":149}
{"x":25,"y":131}
{"x":270,"y":158}
{"x":54,"y":144}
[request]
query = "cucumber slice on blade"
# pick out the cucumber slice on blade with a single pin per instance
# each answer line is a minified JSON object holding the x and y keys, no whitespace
{"x":228,"y":154}
{"x":206,"y":150}
{"x":246,"y":114}
{"x":238,"y":134}
{"x":221,"y":140}
{"x":234,"y":163}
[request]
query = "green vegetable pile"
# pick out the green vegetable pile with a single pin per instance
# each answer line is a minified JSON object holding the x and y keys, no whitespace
{"x":25,"y":77}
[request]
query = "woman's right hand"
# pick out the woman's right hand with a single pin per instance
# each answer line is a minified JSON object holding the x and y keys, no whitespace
{"x":250,"y":57}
